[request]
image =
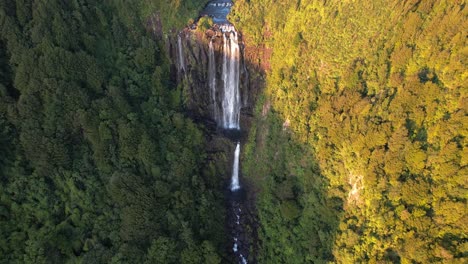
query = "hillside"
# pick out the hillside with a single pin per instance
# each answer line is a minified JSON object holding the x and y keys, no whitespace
{"x":304,"y":132}
{"x":359,"y":147}
{"x":99,"y":163}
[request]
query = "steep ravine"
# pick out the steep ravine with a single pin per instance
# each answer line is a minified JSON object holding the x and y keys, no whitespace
{"x":219,"y":88}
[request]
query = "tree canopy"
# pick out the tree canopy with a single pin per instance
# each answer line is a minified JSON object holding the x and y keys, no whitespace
{"x":98,"y":162}
{"x":373,"y":96}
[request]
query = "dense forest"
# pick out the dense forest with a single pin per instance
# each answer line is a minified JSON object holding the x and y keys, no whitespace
{"x":359,"y":148}
{"x":357,"y":151}
{"x":98,"y":162}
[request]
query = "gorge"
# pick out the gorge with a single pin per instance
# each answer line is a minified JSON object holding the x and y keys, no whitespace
{"x":215,"y":64}
{"x":198,"y":131}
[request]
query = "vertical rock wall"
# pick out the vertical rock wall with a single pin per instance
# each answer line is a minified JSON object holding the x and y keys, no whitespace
{"x":193,"y":73}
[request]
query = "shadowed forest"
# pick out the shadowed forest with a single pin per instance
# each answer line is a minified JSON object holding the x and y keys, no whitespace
{"x":357,"y":149}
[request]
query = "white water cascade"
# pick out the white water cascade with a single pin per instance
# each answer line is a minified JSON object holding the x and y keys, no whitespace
{"x":231,"y":103}
{"x":212,"y":80}
{"x":235,"y":170}
{"x":180,"y":54}
{"x":226,"y":112}
{"x":225,"y":97}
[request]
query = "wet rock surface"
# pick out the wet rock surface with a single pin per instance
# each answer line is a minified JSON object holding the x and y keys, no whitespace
{"x":194,"y":75}
{"x":241,"y":222}
{"x":242,"y":225}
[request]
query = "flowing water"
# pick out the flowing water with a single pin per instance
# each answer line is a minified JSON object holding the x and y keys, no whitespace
{"x":227,"y":117}
{"x":226,"y":100}
{"x":212,"y":80}
{"x":235,"y":170}
{"x":180,"y":54}
{"x":231,"y":103}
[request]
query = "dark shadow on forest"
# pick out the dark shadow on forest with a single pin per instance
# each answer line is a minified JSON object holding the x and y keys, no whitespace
{"x":295,"y":206}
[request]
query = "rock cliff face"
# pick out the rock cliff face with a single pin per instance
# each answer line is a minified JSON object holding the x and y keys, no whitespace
{"x":190,"y":52}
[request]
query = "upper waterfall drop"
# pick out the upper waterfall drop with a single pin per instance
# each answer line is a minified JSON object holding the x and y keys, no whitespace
{"x":231,"y":103}
{"x":180,"y":54}
{"x":212,"y":79}
{"x":225,"y":95}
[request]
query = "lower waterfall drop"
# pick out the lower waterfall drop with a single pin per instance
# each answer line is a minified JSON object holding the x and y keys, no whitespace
{"x":235,"y":170}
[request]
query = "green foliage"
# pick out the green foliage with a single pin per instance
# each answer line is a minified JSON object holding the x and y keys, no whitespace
{"x":376,"y":90}
{"x":98,"y":162}
{"x":298,"y":217}
{"x":174,"y":14}
{"x":204,"y":23}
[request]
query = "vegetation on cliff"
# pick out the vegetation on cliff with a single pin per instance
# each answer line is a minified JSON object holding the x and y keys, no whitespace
{"x":359,"y":149}
{"x":97,"y":162}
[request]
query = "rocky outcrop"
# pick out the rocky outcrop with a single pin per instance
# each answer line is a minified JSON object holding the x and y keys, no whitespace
{"x":194,"y":78}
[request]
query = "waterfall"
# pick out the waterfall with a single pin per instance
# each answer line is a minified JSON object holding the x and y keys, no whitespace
{"x":226,"y":113}
{"x":180,"y":54}
{"x":231,"y":105}
{"x":223,"y":83}
{"x":212,"y":79}
{"x":231,"y":97}
{"x":235,"y":170}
